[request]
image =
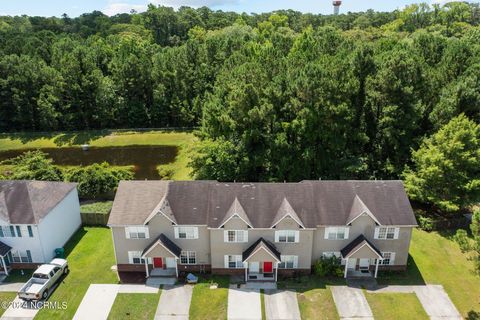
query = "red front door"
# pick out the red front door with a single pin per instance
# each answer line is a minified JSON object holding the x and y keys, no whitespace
{"x":157,"y":263}
{"x":267,"y":267}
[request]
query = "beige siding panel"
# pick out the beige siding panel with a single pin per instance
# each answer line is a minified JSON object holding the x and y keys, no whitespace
{"x":287,"y":223}
{"x":261,"y":255}
{"x":363,"y":253}
{"x":235,"y":223}
{"x":159,"y":251}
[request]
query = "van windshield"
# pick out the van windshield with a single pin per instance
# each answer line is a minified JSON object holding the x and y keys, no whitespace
{"x":40,"y":276}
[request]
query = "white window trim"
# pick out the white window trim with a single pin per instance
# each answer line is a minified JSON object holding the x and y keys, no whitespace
{"x":190,"y":232}
{"x":237,"y":232}
{"x":335,"y":230}
{"x":238,"y":261}
{"x":391,"y":261}
{"x":188,"y":254}
{"x":136,"y":230}
{"x":396,"y":233}
{"x":291,"y":259}
{"x":135,"y":255}
{"x":286,"y":234}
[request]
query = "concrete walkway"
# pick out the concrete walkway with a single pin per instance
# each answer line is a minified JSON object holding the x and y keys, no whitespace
{"x":11,"y":287}
{"x":433,"y":298}
{"x":351,"y":303}
{"x":244,"y":304}
{"x":19,"y":309}
{"x":98,"y":300}
{"x":174,"y":303}
{"x":281,"y":305}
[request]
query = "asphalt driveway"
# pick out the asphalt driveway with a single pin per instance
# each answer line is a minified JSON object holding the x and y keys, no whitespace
{"x":281,"y":305}
{"x":174,"y":303}
{"x":244,"y":304}
{"x":351,"y":303}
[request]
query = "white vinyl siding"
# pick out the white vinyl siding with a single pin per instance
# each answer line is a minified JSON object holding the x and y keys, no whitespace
{"x":140,"y":232}
{"x":188,"y":257}
{"x":288,"y":262}
{"x":186,"y":232}
{"x":233,"y":261}
{"x":388,"y":258}
{"x":135,"y":257}
{"x":235,"y":236}
{"x":386,"y":233}
{"x":336,"y":233}
{"x":290,"y":236}
{"x":7,"y":231}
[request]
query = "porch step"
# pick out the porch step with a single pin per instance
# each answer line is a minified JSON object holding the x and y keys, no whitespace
{"x":157,"y":281}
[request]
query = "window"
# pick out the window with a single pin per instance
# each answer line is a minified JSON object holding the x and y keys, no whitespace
{"x":287,"y":236}
{"x":19,"y":232}
{"x":135,"y":257}
{"x":329,"y":254}
{"x":387,"y":233}
{"x":236,"y":236}
{"x":388,"y":258}
{"x":288,"y":262}
{"x":7,"y":231}
{"x":137,"y":232}
{"x":20,"y":256}
{"x":30,"y":231}
{"x":336,"y":233}
{"x":186,"y":233}
{"x":233,"y":261}
{"x":188,"y":257}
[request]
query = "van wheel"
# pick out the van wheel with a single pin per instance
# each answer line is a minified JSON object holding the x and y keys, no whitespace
{"x":45,"y":294}
{"x":66,"y":271}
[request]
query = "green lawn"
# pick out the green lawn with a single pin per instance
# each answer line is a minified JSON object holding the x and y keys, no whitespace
{"x":6,"y":297}
{"x":97,"y":207}
{"x":314,"y":296}
{"x":395,"y":306}
{"x":183,"y":140}
{"x":262,"y":304}
{"x":138,"y":306}
{"x":210,"y":303}
{"x":436,"y":259}
{"x":90,"y":257}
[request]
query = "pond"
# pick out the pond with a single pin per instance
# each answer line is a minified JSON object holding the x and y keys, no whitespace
{"x":145,"y":159}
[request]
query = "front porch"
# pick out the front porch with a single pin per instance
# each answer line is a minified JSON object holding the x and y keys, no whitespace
{"x":261,"y":261}
{"x":161,"y":258}
{"x":362,"y":258}
{"x":167,"y":272}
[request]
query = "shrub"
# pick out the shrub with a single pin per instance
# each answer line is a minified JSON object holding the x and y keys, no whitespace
{"x":97,"y":179}
{"x":328,"y":267}
{"x":34,"y":165}
{"x":426,"y":223}
{"x":461,"y":237}
{"x":166,"y":172}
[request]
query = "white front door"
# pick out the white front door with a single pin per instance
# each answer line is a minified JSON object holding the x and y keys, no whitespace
{"x":352,"y":262}
{"x":254,"y":267}
{"x":364,"y":263}
{"x":170,"y":262}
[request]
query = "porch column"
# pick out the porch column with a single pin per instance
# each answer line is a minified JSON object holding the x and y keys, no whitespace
{"x":4,"y":266}
{"x":146,"y":266}
{"x":346,"y":267}
{"x":376,"y":267}
{"x":176,"y":267}
{"x":276,"y":271}
{"x":246,"y":273}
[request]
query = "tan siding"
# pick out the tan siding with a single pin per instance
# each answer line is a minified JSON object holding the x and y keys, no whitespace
{"x":235,"y":223}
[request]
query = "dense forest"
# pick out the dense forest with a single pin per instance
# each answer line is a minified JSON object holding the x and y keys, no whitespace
{"x":277,"y":96}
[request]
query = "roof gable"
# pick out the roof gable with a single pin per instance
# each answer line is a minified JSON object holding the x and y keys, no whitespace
{"x":357,"y":244}
{"x":286,"y":210}
{"x":261,"y":245}
{"x":359,"y":208}
{"x":236,"y":210}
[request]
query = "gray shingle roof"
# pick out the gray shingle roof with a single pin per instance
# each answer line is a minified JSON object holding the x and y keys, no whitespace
{"x":28,"y":202}
{"x":261,"y":243}
{"x":356,"y":244}
{"x":167,"y":243}
{"x":4,"y":248}
{"x":314,"y":202}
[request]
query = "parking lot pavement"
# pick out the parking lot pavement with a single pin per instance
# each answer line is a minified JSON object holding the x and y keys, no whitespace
{"x":281,"y":305}
{"x":174,"y":303}
{"x":244,"y":304}
{"x":97,"y":302}
{"x":351,"y":303}
{"x":19,"y":309}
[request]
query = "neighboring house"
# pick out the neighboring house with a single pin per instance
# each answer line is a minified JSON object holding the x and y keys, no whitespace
{"x":36,"y":217}
{"x":260,"y":230}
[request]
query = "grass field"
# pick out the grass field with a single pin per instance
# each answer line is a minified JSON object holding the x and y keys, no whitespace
{"x":209,"y":303}
{"x":90,"y":256}
{"x":6,"y":297}
{"x":314,"y":296}
{"x":395,"y":306}
{"x":183,"y":140}
{"x":97,"y":207}
{"x":437,"y":259}
{"x":138,"y":306}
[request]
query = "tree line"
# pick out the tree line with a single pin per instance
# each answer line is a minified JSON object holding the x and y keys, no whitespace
{"x":282,"y":96}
